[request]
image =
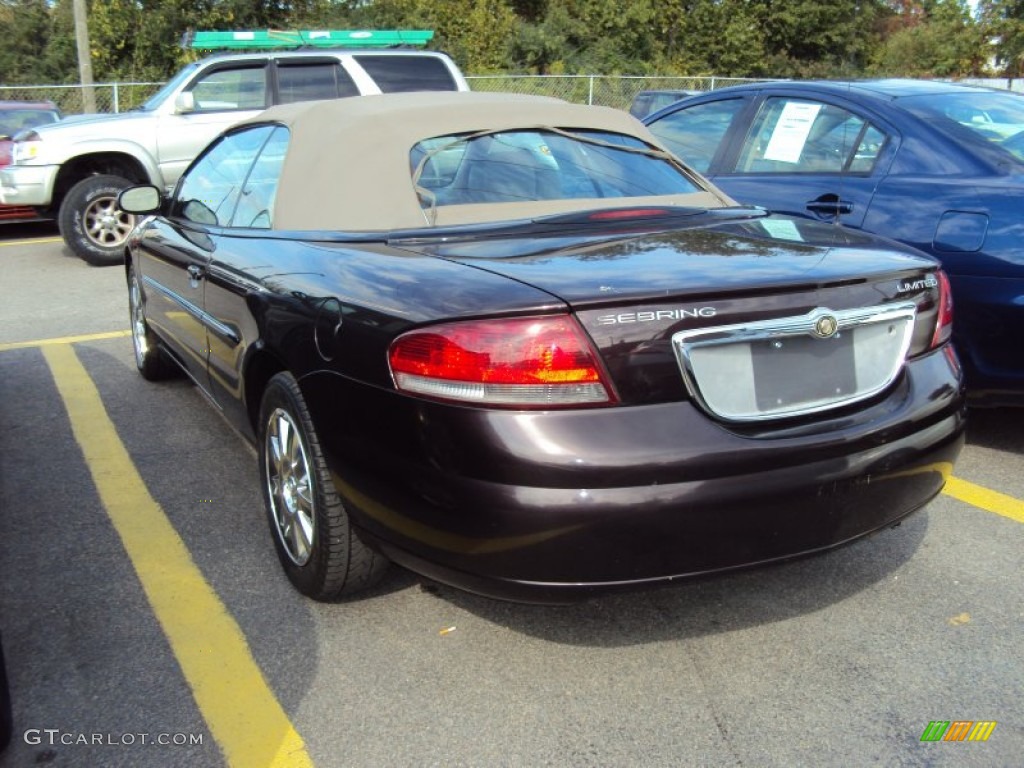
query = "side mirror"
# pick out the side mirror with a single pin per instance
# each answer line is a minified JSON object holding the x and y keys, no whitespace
{"x":140,"y":200}
{"x":184,"y":103}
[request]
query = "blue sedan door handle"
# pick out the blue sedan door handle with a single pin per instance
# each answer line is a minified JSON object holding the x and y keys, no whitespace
{"x":829,"y":205}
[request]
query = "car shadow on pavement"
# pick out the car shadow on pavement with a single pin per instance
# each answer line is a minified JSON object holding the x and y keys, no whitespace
{"x":28,"y":229}
{"x":711,"y":604}
{"x":998,"y":428}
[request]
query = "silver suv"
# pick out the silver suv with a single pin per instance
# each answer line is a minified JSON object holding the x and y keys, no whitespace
{"x":76,"y":168}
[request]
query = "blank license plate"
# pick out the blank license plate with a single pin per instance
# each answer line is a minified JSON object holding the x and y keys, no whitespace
{"x":798,"y":370}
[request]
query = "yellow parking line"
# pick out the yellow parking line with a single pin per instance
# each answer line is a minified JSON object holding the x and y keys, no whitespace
{"x":985,"y":498}
{"x":64,"y":340}
{"x":31,"y":242}
{"x":241,"y":711}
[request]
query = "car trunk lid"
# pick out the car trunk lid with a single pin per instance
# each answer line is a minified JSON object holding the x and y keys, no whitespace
{"x":792,"y":317}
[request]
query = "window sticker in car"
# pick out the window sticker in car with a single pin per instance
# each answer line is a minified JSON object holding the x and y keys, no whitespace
{"x":791,"y":132}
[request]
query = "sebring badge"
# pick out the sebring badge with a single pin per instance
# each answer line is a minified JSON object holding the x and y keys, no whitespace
{"x":825,"y":327}
{"x":651,"y":316}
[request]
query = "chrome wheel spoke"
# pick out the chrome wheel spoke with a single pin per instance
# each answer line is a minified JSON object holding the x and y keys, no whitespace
{"x":302,"y":536}
{"x":290,"y":487}
{"x":304,"y":492}
{"x":138,"y":321}
{"x":274,"y":443}
{"x":283,"y":447}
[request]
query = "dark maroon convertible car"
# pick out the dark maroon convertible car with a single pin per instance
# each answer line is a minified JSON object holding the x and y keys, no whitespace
{"x":515,"y":345}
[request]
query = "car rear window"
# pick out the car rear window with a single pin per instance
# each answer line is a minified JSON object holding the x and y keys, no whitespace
{"x":400,"y":74}
{"x":518,"y":166}
{"x":996,"y":118}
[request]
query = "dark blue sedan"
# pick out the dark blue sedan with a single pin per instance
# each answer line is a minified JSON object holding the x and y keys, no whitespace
{"x":939,"y":166}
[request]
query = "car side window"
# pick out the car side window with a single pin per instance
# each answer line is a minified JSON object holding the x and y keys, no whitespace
{"x":400,"y":74}
{"x":209,"y":190}
{"x":256,"y":205}
{"x":695,"y":133}
{"x":228,"y":89}
{"x":803,"y":136}
{"x":312,"y":80}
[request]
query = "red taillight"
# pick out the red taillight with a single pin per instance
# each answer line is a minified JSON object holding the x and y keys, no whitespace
{"x":528,"y":362}
{"x":944,"y":317}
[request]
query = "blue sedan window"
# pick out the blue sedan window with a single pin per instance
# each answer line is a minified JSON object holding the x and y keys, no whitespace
{"x":518,"y":166}
{"x":998,"y":118}
{"x":803,"y":136}
{"x":696,"y":132}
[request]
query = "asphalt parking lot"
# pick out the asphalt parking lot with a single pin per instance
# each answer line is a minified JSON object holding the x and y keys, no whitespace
{"x":146,"y":621}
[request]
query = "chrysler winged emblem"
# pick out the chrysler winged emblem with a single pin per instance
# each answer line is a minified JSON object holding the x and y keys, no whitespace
{"x":825,"y":327}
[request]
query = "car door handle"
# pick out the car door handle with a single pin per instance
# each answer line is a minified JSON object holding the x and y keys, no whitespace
{"x":830,"y":205}
{"x":195,"y":272}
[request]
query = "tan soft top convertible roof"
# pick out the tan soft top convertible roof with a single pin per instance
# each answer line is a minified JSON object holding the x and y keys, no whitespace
{"x":347,"y":166}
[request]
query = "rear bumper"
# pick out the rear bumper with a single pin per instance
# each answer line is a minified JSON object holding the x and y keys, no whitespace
{"x":557,"y":506}
{"x":28,"y":185}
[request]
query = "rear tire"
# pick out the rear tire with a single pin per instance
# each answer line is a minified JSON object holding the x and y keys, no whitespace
{"x":91,"y":223}
{"x":319,"y":550}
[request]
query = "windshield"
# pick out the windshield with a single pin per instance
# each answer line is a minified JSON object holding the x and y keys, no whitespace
{"x":158,"y":98}
{"x":14,"y":120}
{"x":997,"y":118}
{"x":542,"y":164}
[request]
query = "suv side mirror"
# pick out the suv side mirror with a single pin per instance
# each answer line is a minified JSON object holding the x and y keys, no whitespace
{"x":184,"y":103}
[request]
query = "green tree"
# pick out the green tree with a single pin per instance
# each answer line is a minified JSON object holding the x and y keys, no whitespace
{"x":808,"y":38}
{"x":1003,"y":22}
{"x":59,"y":61}
{"x":944,"y":41}
{"x":475,"y":32}
{"x":588,"y":37}
{"x":27,"y":28}
{"x":702,"y":37}
{"x":139,"y":39}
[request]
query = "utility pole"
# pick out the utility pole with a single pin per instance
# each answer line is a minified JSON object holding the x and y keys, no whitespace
{"x":84,"y":56}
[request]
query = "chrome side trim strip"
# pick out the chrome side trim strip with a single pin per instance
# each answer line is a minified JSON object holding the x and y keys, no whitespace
{"x":226,"y":333}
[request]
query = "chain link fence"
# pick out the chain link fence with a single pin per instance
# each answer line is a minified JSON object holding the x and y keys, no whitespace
{"x":72,"y":99}
{"x":604,"y":90}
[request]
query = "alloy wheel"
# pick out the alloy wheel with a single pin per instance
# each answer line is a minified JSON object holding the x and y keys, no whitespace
{"x":138,"y":319}
{"x":105,"y":224}
{"x":290,"y":486}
